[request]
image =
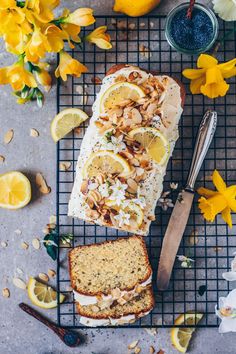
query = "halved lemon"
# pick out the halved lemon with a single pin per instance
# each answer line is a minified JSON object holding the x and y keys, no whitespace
{"x":105,"y":162}
{"x":15,"y":190}
{"x":136,"y":213}
{"x":153,"y":141}
{"x":43,"y":295}
{"x":180,"y":336}
{"x":65,"y":121}
{"x":119,"y":92}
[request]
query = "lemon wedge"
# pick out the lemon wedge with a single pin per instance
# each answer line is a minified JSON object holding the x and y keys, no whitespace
{"x":119,"y":92}
{"x":15,"y":190}
{"x":136,"y":213}
{"x":153,"y":141}
{"x":65,"y":121}
{"x":43,"y":295}
{"x":105,"y":162}
{"x":180,"y":336}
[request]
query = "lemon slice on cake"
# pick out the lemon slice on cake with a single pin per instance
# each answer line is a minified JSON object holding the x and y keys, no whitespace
{"x":153,"y":141}
{"x":119,"y":92}
{"x":15,"y":190}
{"x":43,"y":295}
{"x":105,"y":162}
{"x":65,"y":121}
{"x":180,"y":336}
{"x":136,"y":213}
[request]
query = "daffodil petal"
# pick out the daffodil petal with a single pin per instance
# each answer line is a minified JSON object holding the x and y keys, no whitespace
{"x":214,"y":90}
{"x":206,"y":61}
{"x":206,"y":192}
{"x":193,"y":73}
{"x":218,"y":182}
{"x":196,"y":84}
{"x":226,"y":216}
{"x":230,"y":195}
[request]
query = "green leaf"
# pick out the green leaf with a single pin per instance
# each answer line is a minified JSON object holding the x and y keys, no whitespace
{"x":51,"y":244}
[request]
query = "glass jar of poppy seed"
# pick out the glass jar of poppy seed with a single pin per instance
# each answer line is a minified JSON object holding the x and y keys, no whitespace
{"x":193,"y":35}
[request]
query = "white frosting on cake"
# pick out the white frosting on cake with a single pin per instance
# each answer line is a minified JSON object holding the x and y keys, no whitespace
{"x":152,"y":187}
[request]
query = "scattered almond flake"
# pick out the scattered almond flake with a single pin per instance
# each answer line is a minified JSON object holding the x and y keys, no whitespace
{"x":24,"y":245}
{"x":151,"y":350}
{"x":173,"y":185}
{"x":151,"y":24}
{"x":77,"y":130}
{"x":53,"y":219}
{"x":4,"y":244}
{"x":79,"y":89}
{"x":151,"y":331}
{"x":19,"y":283}
{"x":36,"y":243}
{"x":34,"y":133}
{"x":142,"y":24}
{"x":19,"y":271}
{"x":51,"y":273}
{"x":131,"y":26}
{"x":96,"y":80}
{"x":5,"y":292}
{"x":137,"y":350}
{"x":46,"y":230}
{"x":18,"y":232}
{"x":145,"y":51}
{"x":2,"y":159}
{"x":133,"y":344}
{"x":193,"y":239}
{"x":218,"y":249}
{"x":64,"y":165}
{"x":8,"y":136}
{"x":161,"y":352}
{"x":69,"y":288}
{"x":43,"y":277}
{"x":42,"y":184}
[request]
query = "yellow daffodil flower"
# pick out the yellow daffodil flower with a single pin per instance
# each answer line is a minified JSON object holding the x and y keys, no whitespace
{"x":223,"y":200}
{"x":209,"y":78}
{"x":17,"y":76}
{"x":42,"y":9}
{"x":100,"y":38}
{"x":81,"y":17}
{"x":69,"y":66}
{"x":43,"y":77}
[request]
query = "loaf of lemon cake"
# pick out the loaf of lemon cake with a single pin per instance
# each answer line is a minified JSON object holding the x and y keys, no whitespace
{"x":126,"y":148}
{"x":118,"y":314}
{"x":110,"y":271}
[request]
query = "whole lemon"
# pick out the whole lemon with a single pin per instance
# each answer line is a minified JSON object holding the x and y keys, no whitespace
{"x":135,"y":8}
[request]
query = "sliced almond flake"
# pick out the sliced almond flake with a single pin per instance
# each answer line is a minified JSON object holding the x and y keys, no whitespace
{"x":24,"y":245}
{"x":131,"y":26}
{"x":218,"y":249}
{"x":142,"y":24}
{"x":151,"y":24}
{"x":43,"y":277}
{"x":34,"y":133}
{"x":42,"y":184}
{"x":8,"y":136}
{"x":51,"y":273}
{"x":18,"y":232}
{"x":64,"y":165}
{"x":69,"y":288}
{"x":5,"y":292}
{"x":151,"y":331}
{"x":19,"y":283}
{"x":79,"y":89}
{"x":4,"y":244}
{"x":19,"y":271}
{"x":36,"y":243}
{"x":151,"y":350}
{"x":137,"y":350}
{"x":173,"y":185}
{"x":133,"y":344}
{"x":52,"y":219}
{"x":77,"y":130}
{"x":46,"y":230}
{"x":2,"y":159}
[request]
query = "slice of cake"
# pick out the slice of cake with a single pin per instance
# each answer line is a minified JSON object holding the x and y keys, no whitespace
{"x":118,"y":314}
{"x":110,"y":271}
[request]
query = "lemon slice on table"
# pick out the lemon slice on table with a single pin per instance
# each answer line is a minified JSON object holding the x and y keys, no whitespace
{"x":65,"y":121}
{"x":153,"y":141}
{"x":105,"y":162}
{"x":133,"y":209}
{"x":43,"y":295}
{"x":180,"y":336}
{"x":15,"y":190}
{"x":119,"y":92}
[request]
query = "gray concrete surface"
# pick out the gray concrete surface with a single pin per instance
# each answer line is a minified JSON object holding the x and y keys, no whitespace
{"x":19,"y":333}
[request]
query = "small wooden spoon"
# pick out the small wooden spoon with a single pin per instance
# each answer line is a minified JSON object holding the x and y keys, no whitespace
{"x":70,"y":338}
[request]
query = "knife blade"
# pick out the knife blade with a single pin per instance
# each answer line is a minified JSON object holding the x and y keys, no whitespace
{"x":182,"y":208}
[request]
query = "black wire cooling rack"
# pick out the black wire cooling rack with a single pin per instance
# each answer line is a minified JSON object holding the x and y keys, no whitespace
{"x":141,"y":41}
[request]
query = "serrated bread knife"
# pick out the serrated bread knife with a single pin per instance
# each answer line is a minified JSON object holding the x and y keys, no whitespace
{"x":181,"y":211}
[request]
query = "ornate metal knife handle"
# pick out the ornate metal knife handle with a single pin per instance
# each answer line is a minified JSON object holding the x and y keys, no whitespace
{"x":206,"y":132}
